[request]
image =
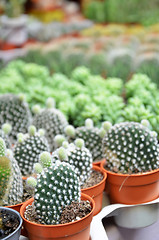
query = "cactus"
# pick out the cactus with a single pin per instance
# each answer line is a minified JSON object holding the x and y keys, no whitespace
{"x":4,"y":133}
{"x":130,"y":147}
{"x":11,"y":185}
{"x":78,"y":156}
{"x":91,"y":135}
{"x":52,"y":121}
{"x":15,"y":111}
{"x":28,"y":148}
{"x":56,"y":187}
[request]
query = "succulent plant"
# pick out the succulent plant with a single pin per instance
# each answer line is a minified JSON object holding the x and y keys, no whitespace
{"x":91,"y":135}
{"x":78,"y":156}
{"x":51,"y":120}
{"x":131,"y":147}
{"x":56,"y":187}
{"x":28,"y":148}
{"x":11,"y":185}
{"x":81,"y":74}
{"x":15,"y":111}
{"x":4,"y":133}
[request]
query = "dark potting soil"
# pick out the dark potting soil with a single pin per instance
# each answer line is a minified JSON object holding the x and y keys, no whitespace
{"x":8,"y":223}
{"x":95,"y":178}
{"x":71,"y":213}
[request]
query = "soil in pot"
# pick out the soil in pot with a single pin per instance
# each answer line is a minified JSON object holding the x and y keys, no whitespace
{"x":95,"y":178}
{"x":8,"y":223}
{"x":71,"y":213}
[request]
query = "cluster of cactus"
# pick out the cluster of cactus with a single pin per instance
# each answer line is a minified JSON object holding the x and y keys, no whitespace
{"x":11,"y":185}
{"x":28,"y":148}
{"x":51,"y":120}
{"x":15,"y":111}
{"x":131,"y":147}
{"x":77,"y":155}
{"x":91,"y":135}
{"x":57,"y":185}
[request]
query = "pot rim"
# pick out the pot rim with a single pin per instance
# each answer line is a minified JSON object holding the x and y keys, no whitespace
{"x":126,"y":174}
{"x":58,"y":225}
{"x":20,"y":221}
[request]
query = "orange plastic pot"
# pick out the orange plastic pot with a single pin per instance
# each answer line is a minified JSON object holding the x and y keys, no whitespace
{"x":97,"y":163}
{"x":77,"y":230}
{"x":132,"y":189}
{"x":96,"y":191}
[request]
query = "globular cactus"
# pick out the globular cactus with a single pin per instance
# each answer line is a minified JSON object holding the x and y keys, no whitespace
{"x":28,"y":148}
{"x":4,"y":133}
{"x":130,"y":147}
{"x":76,"y":155}
{"x":11,"y":185}
{"x":91,"y":135}
{"x":56,"y":187}
{"x":15,"y":111}
{"x":51,"y":120}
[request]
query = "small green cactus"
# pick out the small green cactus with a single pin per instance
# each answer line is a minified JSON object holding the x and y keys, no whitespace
{"x":52,"y":121}
{"x":28,"y":148}
{"x":11,"y":186}
{"x":130,"y":147}
{"x":15,"y":111}
{"x":56,"y":187}
{"x":91,"y":135}
{"x":78,"y":156}
{"x":4,"y":133}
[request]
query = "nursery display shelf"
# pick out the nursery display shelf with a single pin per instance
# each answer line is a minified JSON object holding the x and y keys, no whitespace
{"x":114,"y":232}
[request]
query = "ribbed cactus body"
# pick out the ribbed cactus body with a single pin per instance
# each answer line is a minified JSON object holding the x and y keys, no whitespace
{"x":130,"y":147}
{"x":53,"y":122}
{"x":56,"y":187}
{"x":11,"y":185}
{"x":27,"y":151}
{"x":15,"y":111}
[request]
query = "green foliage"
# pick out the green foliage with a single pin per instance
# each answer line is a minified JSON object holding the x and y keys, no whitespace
{"x":14,"y":8}
{"x":130,"y":147}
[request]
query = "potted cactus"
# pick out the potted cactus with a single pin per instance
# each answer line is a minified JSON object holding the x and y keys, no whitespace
{"x":131,"y":151}
{"x":11,"y":186}
{"x":28,"y":147}
{"x":92,"y":179}
{"x":15,"y":111}
{"x":56,"y":189}
{"x":51,"y":120}
{"x":92,"y":137}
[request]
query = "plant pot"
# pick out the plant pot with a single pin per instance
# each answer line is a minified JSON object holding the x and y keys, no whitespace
{"x":132,"y":189}
{"x":16,"y":234}
{"x":96,"y":192}
{"x":76,"y":230}
{"x":97,"y":163}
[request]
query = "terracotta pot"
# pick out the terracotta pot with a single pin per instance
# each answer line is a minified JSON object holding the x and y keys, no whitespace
{"x":77,"y":230}
{"x":134,"y":188}
{"x":98,"y":163}
{"x":96,"y":192}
